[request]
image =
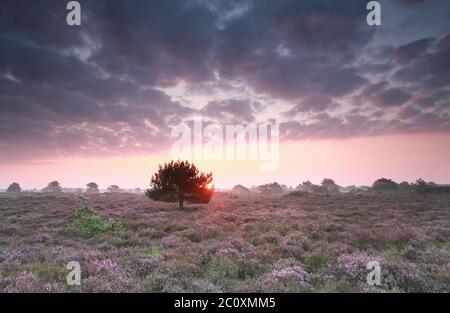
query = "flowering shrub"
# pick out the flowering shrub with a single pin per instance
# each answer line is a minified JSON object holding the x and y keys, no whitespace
{"x":28,"y":282}
{"x":98,"y":266}
{"x":281,"y":245}
{"x":24,"y":282}
{"x":287,"y":275}
{"x":118,"y":281}
{"x":352,"y":267}
{"x":25,"y":254}
{"x":43,"y":238}
{"x":404,"y":276}
{"x":143,"y":267}
{"x":296,"y":272}
{"x":171,"y":241}
{"x":236,"y":248}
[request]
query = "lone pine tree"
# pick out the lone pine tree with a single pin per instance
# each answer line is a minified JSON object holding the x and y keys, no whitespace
{"x":180,"y":181}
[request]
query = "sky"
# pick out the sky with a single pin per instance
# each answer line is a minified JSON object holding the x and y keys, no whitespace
{"x":98,"y":102}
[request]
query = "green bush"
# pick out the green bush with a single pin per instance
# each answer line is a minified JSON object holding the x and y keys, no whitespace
{"x":91,"y":224}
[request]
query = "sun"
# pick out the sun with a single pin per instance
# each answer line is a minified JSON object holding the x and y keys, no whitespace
{"x":209,"y":186}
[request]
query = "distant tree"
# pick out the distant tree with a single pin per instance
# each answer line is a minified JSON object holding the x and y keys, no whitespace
{"x":113,"y":188}
{"x":404,"y":185}
{"x":240,"y":189}
{"x":53,"y":186}
{"x":385,"y":184}
{"x":286,"y":188}
{"x":421,"y":183}
{"x":14,"y":188}
{"x":271,"y":189}
{"x":180,"y":181}
{"x":330,"y":185}
{"x":319,"y":189}
{"x":328,"y":182}
{"x":92,"y":188}
{"x":306,"y":186}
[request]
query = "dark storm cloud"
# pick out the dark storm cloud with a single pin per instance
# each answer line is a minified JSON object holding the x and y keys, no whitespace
{"x":416,"y":86}
{"x":408,"y":112}
{"x":317,"y":103}
{"x":30,"y":63}
{"x":239,"y":111}
{"x":430,"y":70}
{"x":381,"y":53}
{"x":287,"y":48}
{"x":372,"y":89}
{"x":390,"y":97}
{"x":55,"y":102}
{"x":411,"y":51}
{"x":325,"y":126}
{"x":439,"y":97}
{"x":98,"y":89}
{"x":154,"y":42}
{"x":411,"y":2}
{"x":41,"y":23}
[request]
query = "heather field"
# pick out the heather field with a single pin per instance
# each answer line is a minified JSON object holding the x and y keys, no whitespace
{"x":296,"y":243}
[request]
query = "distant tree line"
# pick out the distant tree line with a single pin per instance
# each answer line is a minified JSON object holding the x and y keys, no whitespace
{"x":329,"y":186}
{"x":55,"y":187}
{"x":420,"y":185}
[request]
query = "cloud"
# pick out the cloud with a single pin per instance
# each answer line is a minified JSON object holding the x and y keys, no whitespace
{"x":391,"y":97}
{"x":325,"y":126}
{"x":411,"y":2}
{"x":431,"y":70}
{"x":316,"y":103}
{"x":233,"y":111}
{"x":106,"y":88}
{"x":318,"y":40}
{"x":412,"y":50}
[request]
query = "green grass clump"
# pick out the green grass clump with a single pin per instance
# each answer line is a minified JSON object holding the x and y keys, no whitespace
{"x":389,"y":253}
{"x":49,"y":272}
{"x":224,"y":270}
{"x":154,"y":252}
{"x":91,"y":224}
{"x":317,"y":260}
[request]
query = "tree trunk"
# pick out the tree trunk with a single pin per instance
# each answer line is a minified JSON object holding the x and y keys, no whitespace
{"x":180,"y":204}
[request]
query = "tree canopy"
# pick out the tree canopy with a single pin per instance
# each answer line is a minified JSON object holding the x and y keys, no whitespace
{"x":180,"y":181}
{"x":113,"y":188}
{"x":53,"y":186}
{"x":385,"y":184}
{"x":14,"y":187}
{"x":92,"y":187}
